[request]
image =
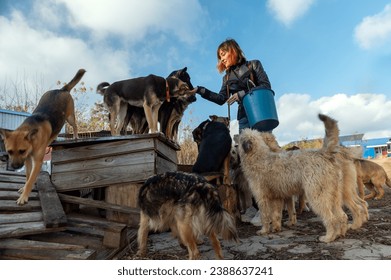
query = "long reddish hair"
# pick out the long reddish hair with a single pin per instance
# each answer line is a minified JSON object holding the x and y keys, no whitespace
{"x":233,"y":49}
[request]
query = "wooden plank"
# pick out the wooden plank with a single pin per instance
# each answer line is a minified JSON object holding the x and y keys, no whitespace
{"x":12,"y":177}
{"x":126,"y":195}
{"x":105,"y":161}
{"x":114,"y":233}
{"x":10,"y":205}
{"x":100,"y":150}
{"x":102,"y":177}
{"x":166,"y":151}
{"x":20,"y":217}
{"x":53,"y":213}
{"x":12,"y":186}
{"x":21,"y":244}
{"x":163,"y":165}
{"x":14,"y":195}
{"x":99,"y":222}
{"x":22,"y":229}
{"x":97,"y":204}
{"x":15,"y":254}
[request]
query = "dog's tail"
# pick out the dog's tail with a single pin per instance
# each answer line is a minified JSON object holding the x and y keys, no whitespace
{"x":217,"y":219}
{"x":101,"y":88}
{"x":225,"y":225}
{"x":74,"y":81}
{"x":331,"y":138}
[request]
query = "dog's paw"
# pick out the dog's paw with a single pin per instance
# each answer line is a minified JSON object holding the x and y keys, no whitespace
{"x":262,"y":232}
{"x":21,"y":190}
{"x":326,"y":239}
{"x":141,"y":253}
{"x":22,"y":200}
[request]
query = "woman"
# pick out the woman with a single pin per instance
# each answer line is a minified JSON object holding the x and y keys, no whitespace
{"x":241,"y":75}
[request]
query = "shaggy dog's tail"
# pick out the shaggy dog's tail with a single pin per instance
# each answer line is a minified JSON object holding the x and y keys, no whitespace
{"x":223,"y":223}
{"x":211,"y":216}
{"x":331,"y":138}
{"x":74,"y":81}
{"x":101,"y":88}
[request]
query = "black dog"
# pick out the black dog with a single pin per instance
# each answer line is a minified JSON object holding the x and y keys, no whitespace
{"x":214,"y":145}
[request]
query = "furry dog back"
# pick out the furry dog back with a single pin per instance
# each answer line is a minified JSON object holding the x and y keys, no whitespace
{"x":189,"y":206}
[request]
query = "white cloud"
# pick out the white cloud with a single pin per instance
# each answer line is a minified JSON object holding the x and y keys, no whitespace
{"x":359,"y":113}
{"x":287,"y":11}
{"x":134,"y":19}
{"x":374,"y":31}
{"x":42,"y":41}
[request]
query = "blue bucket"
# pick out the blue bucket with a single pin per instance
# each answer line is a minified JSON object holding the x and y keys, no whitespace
{"x":261,"y":109}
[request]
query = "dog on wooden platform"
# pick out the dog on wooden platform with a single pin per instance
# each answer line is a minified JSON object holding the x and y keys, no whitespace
{"x":146,"y":92}
{"x":373,"y":176}
{"x":171,"y":113}
{"x":27,"y":144}
{"x":188,"y":205}
{"x":275,"y":176}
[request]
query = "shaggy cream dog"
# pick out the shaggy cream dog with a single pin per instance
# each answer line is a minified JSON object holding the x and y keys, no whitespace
{"x":274,"y":177}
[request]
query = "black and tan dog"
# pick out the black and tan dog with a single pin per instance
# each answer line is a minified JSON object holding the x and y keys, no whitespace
{"x":147,"y":92}
{"x":27,"y":144}
{"x":171,"y":113}
{"x":189,"y":206}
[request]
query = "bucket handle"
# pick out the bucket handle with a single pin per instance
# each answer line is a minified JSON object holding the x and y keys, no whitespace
{"x":250,"y":84}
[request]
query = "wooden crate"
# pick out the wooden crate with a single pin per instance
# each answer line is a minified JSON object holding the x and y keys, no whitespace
{"x":125,"y":195}
{"x":119,"y":164}
{"x":106,"y":161}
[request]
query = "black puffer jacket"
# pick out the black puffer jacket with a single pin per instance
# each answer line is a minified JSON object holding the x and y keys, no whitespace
{"x":237,"y":78}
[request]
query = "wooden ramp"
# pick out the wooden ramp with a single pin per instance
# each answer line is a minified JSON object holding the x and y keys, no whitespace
{"x":41,"y":229}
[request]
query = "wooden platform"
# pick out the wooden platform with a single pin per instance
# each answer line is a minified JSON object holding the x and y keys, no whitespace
{"x":59,"y":222}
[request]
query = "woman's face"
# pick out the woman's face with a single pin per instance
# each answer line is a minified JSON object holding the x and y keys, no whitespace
{"x":227,"y":58}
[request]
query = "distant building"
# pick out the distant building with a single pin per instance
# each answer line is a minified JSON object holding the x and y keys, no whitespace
{"x":372,"y":148}
{"x":11,"y":119}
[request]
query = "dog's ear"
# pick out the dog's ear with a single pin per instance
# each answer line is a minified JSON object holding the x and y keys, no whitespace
{"x":213,"y":117}
{"x":247,"y":146}
{"x":226,"y":121}
{"x":4,"y":133}
{"x":31,"y":134}
{"x":197,"y":135}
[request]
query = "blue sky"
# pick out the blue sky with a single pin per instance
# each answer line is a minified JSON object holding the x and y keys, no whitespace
{"x":329,"y":56}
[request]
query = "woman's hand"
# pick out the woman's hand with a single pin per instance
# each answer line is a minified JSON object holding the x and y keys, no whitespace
{"x":234,"y":97}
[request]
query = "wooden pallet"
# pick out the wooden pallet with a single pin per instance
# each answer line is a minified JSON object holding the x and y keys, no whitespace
{"x":42,"y":230}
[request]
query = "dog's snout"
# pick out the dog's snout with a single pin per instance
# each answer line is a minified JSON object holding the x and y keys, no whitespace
{"x":247,"y":146}
{"x":17,"y":165}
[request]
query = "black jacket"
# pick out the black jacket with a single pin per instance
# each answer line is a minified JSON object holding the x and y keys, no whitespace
{"x":237,"y":78}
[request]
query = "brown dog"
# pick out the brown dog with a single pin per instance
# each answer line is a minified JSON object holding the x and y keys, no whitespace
{"x":27,"y":144}
{"x":373,"y":176}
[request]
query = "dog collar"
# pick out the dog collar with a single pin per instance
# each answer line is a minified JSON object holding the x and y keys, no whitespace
{"x":167,"y":92}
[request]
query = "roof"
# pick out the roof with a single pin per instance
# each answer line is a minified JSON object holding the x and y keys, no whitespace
{"x":4,"y":111}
